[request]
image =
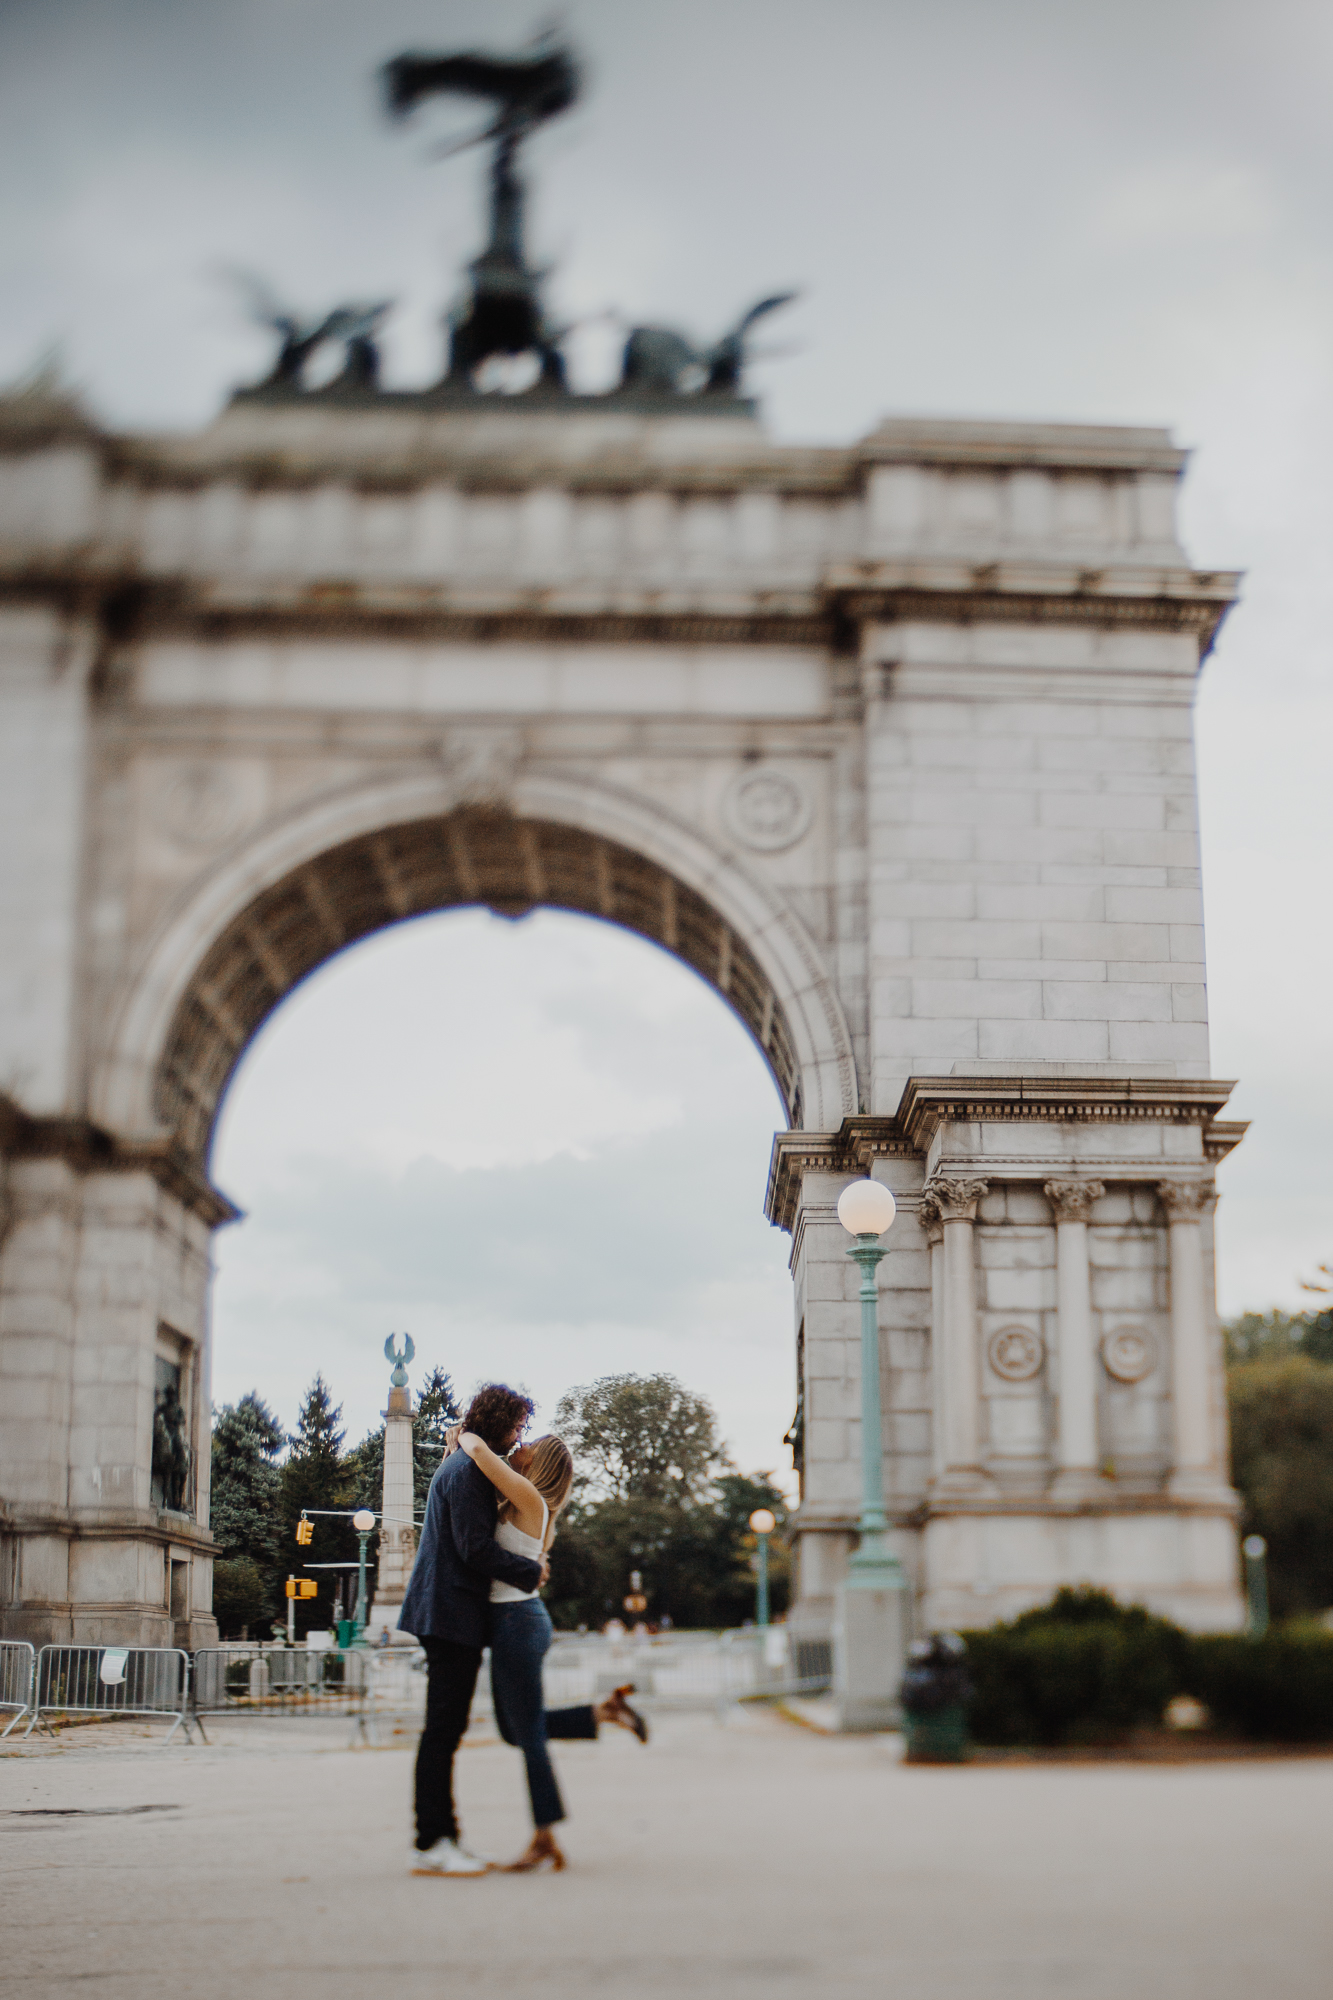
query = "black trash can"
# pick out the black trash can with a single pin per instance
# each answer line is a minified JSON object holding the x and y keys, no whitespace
{"x":934,"y":1695}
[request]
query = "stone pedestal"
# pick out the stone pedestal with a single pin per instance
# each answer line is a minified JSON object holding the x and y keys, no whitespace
{"x":870,"y":1635}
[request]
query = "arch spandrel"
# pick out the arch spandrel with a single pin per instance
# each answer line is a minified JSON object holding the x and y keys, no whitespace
{"x":299,"y":893}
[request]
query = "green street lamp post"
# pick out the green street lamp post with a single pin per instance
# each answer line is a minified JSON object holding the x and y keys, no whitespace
{"x":762,"y":1524}
{"x":870,"y":1625}
{"x":364,"y":1523}
{"x":866,"y":1210}
{"x":1255,"y":1550}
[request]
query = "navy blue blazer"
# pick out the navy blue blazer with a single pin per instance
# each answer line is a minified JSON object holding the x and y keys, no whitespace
{"x":450,"y":1586}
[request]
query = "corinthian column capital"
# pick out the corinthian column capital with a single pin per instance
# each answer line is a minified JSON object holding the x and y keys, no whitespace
{"x":952,"y":1200}
{"x":1186,"y":1201}
{"x":1072,"y":1200}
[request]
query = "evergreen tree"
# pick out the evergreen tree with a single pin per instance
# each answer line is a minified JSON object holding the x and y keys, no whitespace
{"x":247,"y":1439}
{"x":317,"y":1475}
{"x":242,"y":1599}
{"x":436,"y":1408}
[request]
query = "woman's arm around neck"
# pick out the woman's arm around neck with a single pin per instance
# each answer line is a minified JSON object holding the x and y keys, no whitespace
{"x":529,"y":1508}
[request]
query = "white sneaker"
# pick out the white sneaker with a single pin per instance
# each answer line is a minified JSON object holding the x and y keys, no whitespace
{"x":448,"y":1858}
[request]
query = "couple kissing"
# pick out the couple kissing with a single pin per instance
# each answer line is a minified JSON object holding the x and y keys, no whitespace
{"x":482,"y":1558}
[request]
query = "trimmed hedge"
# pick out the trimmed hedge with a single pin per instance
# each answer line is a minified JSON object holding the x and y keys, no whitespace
{"x":1278,"y":1689}
{"x":1082,"y":1669}
{"x":1085,"y":1669}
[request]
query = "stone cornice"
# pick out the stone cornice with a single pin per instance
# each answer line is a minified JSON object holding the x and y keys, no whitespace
{"x":966,"y":441}
{"x":97,"y":583}
{"x":111,"y":1524}
{"x":852,"y":1149}
{"x":1118,"y":600}
{"x":420,"y":434}
{"x":88,"y":1149}
{"x":1222,"y":1137}
{"x":932,"y":1101}
{"x":94,"y":581}
{"x":1039,"y":1506}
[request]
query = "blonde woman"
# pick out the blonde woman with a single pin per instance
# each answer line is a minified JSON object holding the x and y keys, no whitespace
{"x":534,"y":1484}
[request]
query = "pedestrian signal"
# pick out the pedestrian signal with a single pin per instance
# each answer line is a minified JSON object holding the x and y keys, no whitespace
{"x":298,"y":1586}
{"x":305,"y":1532}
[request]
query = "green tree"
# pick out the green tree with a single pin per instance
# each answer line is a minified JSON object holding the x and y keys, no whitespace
{"x":244,"y":1489}
{"x":242,"y":1597}
{"x":317,"y":1475}
{"x":657,"y":1495}
{"x":1271,"y":1336}
{"x":1282,"y":1466}
{"x":641,"y":1437}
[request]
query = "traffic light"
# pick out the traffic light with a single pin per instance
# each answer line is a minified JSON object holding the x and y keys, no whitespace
{"x":300,"y":1586}
{"x":305,"y":1532}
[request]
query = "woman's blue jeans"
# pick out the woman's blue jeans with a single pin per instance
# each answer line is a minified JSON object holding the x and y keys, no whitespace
{"x":520,"y":1639}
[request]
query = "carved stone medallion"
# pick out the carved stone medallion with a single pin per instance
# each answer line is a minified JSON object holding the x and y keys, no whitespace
{"x":1016,"y":1353}
{"x":766,"y":809}
{"x":1129,"y":1353}
{"x":201,"y":805}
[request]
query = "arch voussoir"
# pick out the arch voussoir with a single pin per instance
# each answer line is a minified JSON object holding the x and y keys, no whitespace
{"x":293,"y":904}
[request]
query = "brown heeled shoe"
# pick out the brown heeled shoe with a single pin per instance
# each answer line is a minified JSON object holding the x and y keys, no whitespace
{"x":619,"y":1711}
{"x":542,"y":1850}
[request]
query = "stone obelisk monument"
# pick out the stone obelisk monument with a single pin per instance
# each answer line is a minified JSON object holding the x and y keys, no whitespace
{"x":398,"y":1539}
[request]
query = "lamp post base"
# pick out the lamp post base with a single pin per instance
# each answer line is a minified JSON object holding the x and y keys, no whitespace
{"x":870,"y":1631}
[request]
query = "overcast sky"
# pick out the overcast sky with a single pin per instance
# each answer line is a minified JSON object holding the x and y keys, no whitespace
{"x":1119,"y":212}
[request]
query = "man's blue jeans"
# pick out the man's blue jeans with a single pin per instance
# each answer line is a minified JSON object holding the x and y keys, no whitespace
{"x":520,"y":1639}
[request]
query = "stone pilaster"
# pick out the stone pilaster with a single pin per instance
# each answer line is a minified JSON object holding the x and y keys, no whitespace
{"x":1196,"y":1474}
{"x":1076,"y":1455}
{"x":953,"y":1202}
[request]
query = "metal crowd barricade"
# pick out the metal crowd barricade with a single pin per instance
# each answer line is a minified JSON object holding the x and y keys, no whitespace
{"x":396,"y":1700}
{"x":686,"y":1670}
{"x":18,"y":1660}
{"x":112,"y":1680}
{"x":254,"y":1679}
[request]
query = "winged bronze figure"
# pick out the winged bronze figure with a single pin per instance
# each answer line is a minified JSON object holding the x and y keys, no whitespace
{"x":504,"y":314}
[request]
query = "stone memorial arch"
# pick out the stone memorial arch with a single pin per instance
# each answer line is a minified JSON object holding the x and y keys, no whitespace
{"x":891,"y":743}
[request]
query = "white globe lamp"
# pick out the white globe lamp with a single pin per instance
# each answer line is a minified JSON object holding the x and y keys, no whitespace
{"x":866,"y":1208}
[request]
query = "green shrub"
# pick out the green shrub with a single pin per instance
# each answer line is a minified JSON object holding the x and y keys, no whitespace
{"x":1278,"y":1689}
{"x":1082,"y":1669}
{"x":239,"y":1595}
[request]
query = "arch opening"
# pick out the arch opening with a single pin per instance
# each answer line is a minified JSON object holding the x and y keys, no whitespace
{"x":473,"y":856}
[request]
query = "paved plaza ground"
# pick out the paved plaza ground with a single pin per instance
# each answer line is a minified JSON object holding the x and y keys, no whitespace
{"x":739,"y":1858}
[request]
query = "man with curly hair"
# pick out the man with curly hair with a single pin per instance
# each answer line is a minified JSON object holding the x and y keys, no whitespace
{"x":446,"y":1608}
